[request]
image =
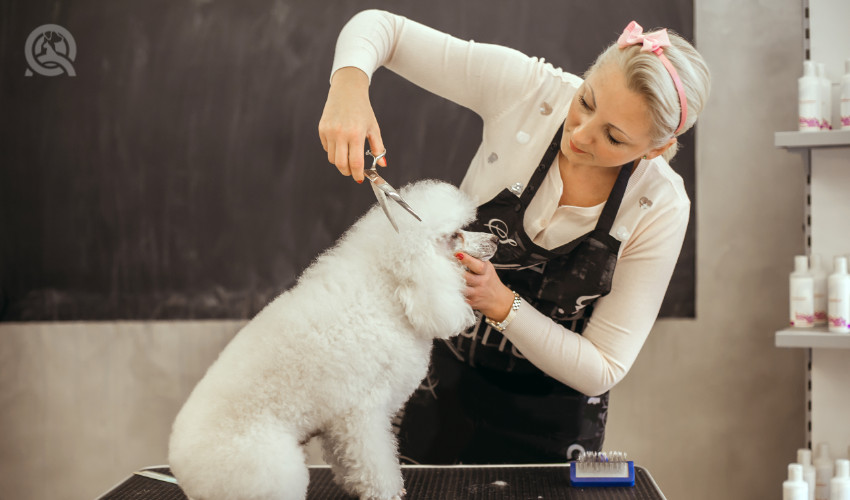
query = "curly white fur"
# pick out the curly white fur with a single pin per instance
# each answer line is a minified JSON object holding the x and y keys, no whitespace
{"x":337,"y":355}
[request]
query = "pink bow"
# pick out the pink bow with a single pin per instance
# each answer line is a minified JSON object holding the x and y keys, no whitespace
{"x":633,"y":35}
{"x":653,"y":42}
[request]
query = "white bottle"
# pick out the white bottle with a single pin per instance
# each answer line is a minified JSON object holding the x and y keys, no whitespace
{"x":808,"y":94}
{"x":820,"y":291}
{"x":839,"y":487}
{"x":838,"y":313}
{"x":804,"y":458}
{"x":825,"y":98}
{"x":795,"y":488}
{"x":823,"y":472}
{"x":802,"y":288}
{"x":844,"y":109}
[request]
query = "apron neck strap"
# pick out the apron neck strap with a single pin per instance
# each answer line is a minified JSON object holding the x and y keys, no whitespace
{"x":542,"y":169}
{"x":612,"y":206}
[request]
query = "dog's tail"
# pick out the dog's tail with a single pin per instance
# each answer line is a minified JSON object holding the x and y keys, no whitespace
{"x":263,"y":462}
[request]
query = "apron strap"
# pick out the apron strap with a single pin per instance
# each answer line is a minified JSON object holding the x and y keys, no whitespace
{"x":541,"y":170}
{"x":612,"y":206}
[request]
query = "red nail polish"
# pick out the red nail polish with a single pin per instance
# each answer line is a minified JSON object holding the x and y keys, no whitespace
{"x":383,"y":161}
{"x":360,"y":181}
{"x":459,"y":256}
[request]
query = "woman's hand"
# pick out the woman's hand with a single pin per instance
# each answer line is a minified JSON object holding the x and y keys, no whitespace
{"x":347,"y":121}
{"x":485,"y":292}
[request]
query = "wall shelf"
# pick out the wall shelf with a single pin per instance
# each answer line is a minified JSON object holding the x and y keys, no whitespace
{"x":821,"y":139}
{"x":817,"y":338}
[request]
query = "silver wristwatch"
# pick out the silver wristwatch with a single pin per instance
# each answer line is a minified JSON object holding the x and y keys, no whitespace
{"x":501,"y":325}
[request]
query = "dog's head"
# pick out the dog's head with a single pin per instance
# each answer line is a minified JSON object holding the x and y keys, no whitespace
{"x":430,"y":284}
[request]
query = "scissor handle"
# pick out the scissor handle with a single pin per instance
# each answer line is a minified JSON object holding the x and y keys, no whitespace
{"x":375,"y":158}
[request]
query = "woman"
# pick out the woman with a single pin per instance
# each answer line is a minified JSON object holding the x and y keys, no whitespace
{"x":572,"y":175}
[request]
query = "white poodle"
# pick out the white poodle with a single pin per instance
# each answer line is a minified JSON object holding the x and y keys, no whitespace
{"x":337,"y":356}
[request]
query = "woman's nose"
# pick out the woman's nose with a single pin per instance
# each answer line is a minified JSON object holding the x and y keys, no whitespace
{"x":580,"y":135}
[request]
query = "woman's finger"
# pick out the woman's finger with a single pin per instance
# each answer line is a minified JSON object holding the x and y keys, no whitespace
{"x":376,"y":145}
{"x":474,"y":265}
{"x":341,"y":158}
{"x":356,"y":156}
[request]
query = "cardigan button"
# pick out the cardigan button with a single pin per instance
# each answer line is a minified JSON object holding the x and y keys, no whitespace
{"x":522,"y":137}
{"x":517,"y":207}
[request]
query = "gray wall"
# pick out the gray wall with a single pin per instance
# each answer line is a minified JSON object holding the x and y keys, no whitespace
{"x":711,"y":408}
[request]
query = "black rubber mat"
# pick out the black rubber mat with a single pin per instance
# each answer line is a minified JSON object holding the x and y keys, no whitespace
{"x":437,"y":483}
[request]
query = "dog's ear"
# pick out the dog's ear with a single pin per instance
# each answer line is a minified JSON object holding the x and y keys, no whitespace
{"x":430,"y":289}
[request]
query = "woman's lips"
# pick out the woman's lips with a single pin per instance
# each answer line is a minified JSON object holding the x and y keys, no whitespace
{"x":574,"y":148}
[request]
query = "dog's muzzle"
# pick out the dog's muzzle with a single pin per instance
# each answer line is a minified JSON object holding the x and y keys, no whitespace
{"x":482,"y":246}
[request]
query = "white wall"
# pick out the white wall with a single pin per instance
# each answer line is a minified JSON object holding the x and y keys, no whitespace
{"x":711,"y":408}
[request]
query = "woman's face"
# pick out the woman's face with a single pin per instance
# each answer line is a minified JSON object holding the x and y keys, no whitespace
{"x":608,"y":124}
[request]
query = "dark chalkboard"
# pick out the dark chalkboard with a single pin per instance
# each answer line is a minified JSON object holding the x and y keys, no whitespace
{"x":179,"y":174}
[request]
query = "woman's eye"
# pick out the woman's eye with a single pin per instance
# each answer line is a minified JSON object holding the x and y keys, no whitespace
{"x":613,"y":141}
{"x":583,"y":103}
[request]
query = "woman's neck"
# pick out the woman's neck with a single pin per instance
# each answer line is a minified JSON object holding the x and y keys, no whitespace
{"x":585,"y":185}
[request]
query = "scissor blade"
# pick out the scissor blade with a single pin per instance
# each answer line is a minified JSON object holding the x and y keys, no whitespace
{"x":394,"y":195}
{"x":378,"y":182}
{"x":382,"y":200}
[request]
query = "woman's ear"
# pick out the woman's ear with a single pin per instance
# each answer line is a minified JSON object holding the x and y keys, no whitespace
{"x":660,"y":150}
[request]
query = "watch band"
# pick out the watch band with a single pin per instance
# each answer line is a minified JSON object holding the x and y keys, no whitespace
{"x":501,"y":325}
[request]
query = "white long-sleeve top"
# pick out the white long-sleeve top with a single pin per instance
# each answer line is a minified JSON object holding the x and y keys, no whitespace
{"x":522,"y":101}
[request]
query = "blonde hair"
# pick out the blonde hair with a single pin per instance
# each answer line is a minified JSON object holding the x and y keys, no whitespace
{"x":646,"y":75}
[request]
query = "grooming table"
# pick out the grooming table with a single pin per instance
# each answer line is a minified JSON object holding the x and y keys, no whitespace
{"x":455,"y":482}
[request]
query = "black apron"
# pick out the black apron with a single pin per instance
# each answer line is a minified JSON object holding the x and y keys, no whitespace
{"x":482,"y":401}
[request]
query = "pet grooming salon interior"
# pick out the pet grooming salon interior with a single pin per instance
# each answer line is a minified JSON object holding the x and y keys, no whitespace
{"x":271,"y":249}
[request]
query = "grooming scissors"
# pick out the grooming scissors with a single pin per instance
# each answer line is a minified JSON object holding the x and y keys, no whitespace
{"x":383,"y":190}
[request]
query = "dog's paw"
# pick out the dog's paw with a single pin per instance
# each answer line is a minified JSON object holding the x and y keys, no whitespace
{"x":398,"y":496}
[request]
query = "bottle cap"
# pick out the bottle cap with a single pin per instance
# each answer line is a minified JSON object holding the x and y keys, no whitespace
{"x":808,"y":68}
{"x":801,"y":264}
{"x":795,"y":472}
{"x":804,"y":456}
{"x":840,"y":265}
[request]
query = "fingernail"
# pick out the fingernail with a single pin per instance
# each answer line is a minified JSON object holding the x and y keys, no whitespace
{"x":360,"y":181}
{"x":383,"y":161}
{"x":459,"y":256}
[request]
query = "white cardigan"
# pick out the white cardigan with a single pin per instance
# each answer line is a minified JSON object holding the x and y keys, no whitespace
{"x":522,"y":102}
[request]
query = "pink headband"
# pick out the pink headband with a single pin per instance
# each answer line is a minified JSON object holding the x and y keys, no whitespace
{"x":653,"y":42}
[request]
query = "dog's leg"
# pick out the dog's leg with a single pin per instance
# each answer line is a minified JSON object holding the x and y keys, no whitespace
{"x":365,"y":448}
{"x":329,"y":444}
{"x":261,"y":462}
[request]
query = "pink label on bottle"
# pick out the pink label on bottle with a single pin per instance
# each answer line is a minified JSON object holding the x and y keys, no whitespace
{"x":845,"y":121}
{"x":838,"y":322}
{"x":804,"y":319}
{"x":809,"y":123}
